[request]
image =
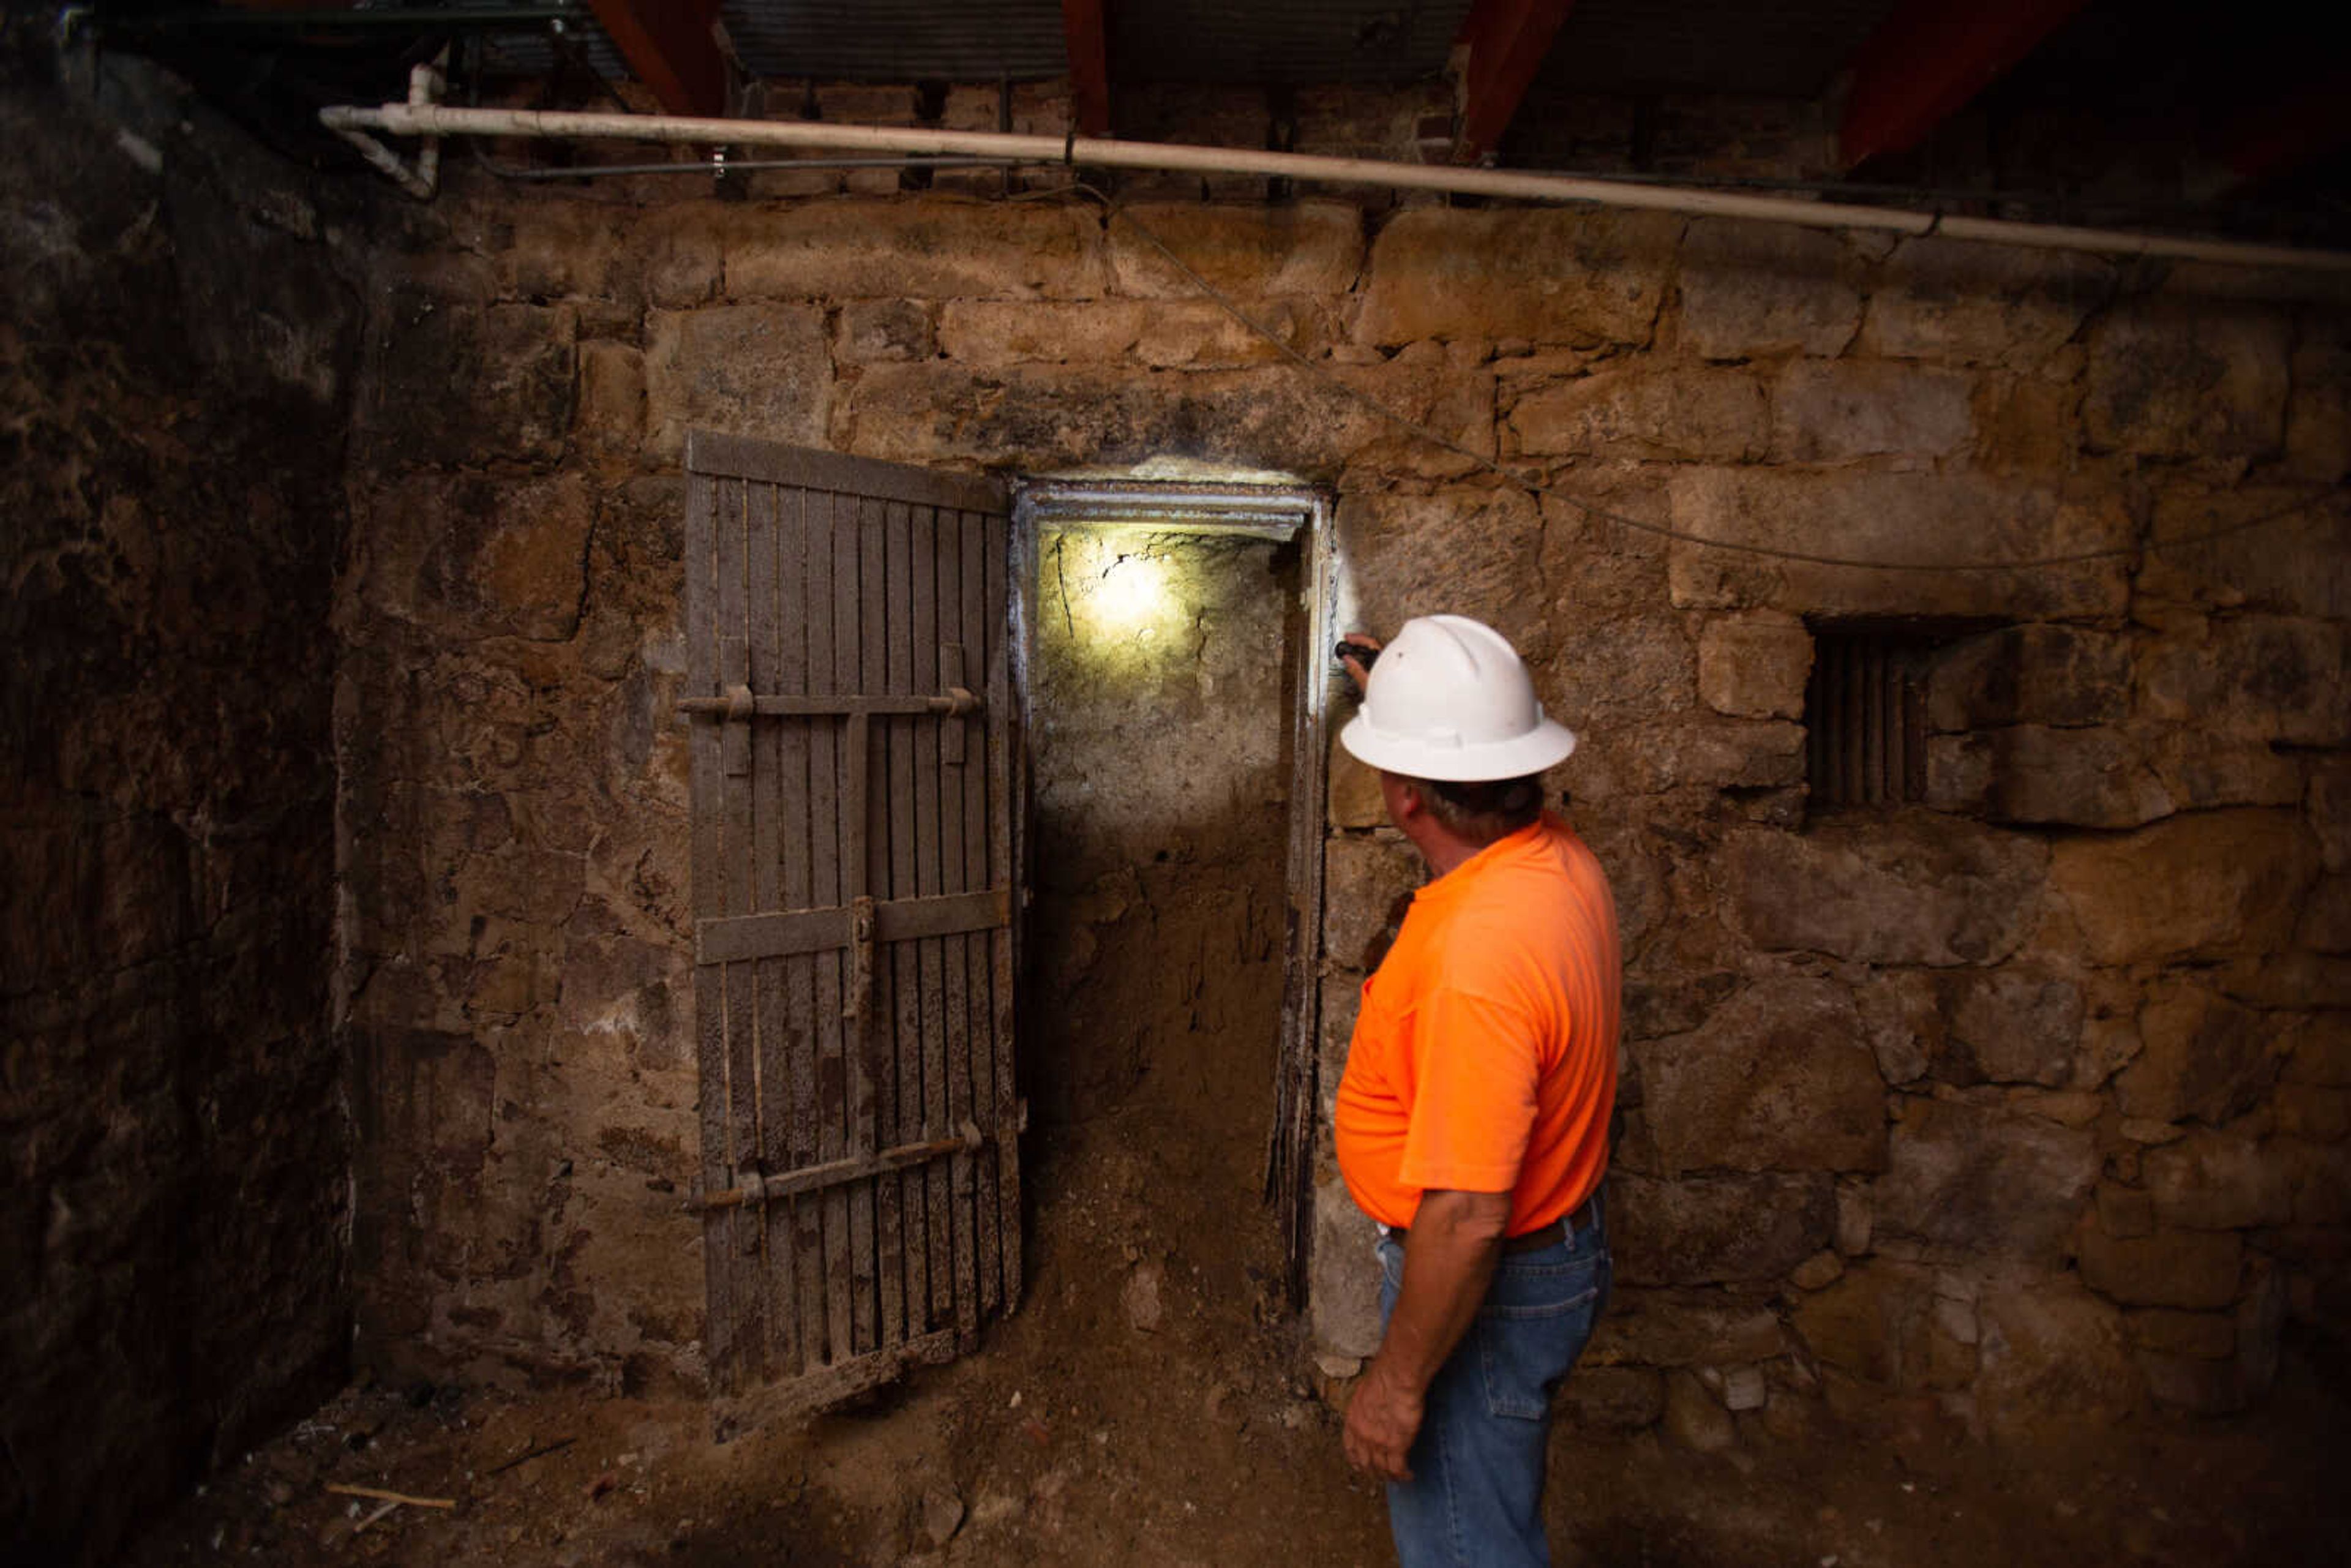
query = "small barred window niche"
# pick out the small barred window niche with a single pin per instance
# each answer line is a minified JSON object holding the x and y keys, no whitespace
{"x":1865,"y":716}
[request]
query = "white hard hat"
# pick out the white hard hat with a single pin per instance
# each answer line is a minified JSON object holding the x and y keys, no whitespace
{"x":1449,"y":700}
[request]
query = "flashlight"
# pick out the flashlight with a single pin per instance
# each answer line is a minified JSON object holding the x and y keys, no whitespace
{"x":1362,"y":654}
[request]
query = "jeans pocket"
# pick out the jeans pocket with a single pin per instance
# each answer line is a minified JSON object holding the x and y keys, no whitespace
{"x":1526,"y":1347}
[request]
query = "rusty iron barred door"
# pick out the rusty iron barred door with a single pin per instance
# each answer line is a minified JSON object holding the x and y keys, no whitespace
{"x":849,"y":693}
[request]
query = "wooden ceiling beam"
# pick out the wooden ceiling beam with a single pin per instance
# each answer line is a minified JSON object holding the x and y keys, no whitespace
{"x":1089,"y":51}
{"x":1501,"y":46}
{"x":1931,"y":57}
{"x":670,"y":46}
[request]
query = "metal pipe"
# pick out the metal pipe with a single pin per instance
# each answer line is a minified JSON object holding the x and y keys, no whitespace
{"x":748,"y":166}
{"x":408,"y":120}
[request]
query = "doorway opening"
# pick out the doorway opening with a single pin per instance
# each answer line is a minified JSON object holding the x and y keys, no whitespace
{"x":1173,"y":753}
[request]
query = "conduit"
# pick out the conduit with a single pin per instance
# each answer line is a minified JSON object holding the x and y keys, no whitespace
{"x":429,"y":120}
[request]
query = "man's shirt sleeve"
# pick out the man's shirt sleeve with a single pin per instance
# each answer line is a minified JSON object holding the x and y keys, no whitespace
{"x":1476,"y":1064}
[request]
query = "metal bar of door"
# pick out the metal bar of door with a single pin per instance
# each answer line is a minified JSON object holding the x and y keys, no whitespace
{"x":849,"y":689}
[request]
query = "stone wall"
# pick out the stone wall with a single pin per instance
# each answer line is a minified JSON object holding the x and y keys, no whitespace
{"x":2028,"y":1096}
{"x":175,"y":341}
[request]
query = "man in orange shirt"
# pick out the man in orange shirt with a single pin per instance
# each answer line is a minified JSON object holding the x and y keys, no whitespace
{"x":1472,"y":1119}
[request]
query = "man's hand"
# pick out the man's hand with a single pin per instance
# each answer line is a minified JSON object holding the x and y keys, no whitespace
{"x":1358,"y":665}
{"x":1383,"y":1418}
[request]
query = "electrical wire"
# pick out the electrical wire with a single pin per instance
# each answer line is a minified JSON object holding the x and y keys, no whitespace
{"x":1536,"y":487}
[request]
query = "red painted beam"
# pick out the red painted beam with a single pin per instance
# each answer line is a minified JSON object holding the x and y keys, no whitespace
{"x":1931,"y":57}
{"x":669,"y":46}
{"x":1089,"y":51}
{"x":1500,"y":47}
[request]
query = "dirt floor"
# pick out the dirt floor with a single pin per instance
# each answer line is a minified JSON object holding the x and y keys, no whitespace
{"x":1079,"y":1435}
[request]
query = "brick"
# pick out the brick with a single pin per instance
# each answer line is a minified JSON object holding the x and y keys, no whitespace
{"x":1835,"y":410}
{"x":1547,"y":277}
{"x":1754,"y":666}
{"x":1754,"y":290}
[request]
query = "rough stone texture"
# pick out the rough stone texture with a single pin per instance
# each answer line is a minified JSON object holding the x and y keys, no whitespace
{"x":2032,"y":773}
{"x":1911,"y":889}
{"x":936,"y":249}
{"x":2035,"y":674}
{"x":1700,"y":1230}
{"x":1546,"y":275}
{"x":2217,"y":1181}
{"x":1368,"y":884}
{"x":1873,"y":1323}
{"x":2012,"y":1026}
{"x":1716,"y":416}
{"x":2273,"y":679}
{"x":1981,"y":1181}
{"x":176,"y":350}
{"x":2193,"y":1268}
{"x":1683,"y":1328}
{"x":2052,"y":1358}
{"x":2167,"y":382}
{"x":1313,"y":249}
{"x":746,"y":370}
{"x":1955,"y":302}
{"x":1779,"y":1078}
{"x":1832,"y":411}
{"x":2202,"y":1055}
{"x":1753,"y":290}
{"x":1918,"y":519}
{"x":2208,"y":885}
{"x":1754,"y":666}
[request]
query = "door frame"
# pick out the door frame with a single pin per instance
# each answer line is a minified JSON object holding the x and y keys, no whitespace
{"x":1279,"y":513}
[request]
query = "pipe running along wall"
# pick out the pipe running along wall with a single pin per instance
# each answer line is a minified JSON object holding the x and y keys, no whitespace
{"x":431,"y":120}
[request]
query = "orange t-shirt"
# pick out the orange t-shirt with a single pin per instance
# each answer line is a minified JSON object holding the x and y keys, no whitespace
{"x":1484,"y":1059}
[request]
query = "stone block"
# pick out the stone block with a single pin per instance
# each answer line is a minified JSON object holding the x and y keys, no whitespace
{"x":1695,"y":1418}
{"x":1872,"y":1323}
{"x":1961,"y":303}
{"x":2031,"y":773}
{"x":2218,"y":1181}
{"x":1831,"y":411}
{"x":1356,"y":801}
{"x":2276,"y":679}
{"x":2321,"y":1181}
{"x":2325,"y":922}
{"x":2170,"y":380}
{"x":470,"y":556}
{"x":464,"y":384}
{"x":1398,"y":544}
{"x":2298,"y":562}
{"x":1711,"y":416}
{"x":1614,"y":1398}
{"x":2032,"y":675}
{"x":1908,"y":889}
{"x":2318,"y":408}
{"x":2206,"y":885}
{"x":1343,"y":1293}
{"x":2206,"y":1336}
{"x":1683,"y":1328}
{"x":1757,"y":290}
{"x":884,"y":331}
{"x":1590,"y":279}
{"x":611,"y":412}
{"x":1908,"y":519}
{"x":2195,"y":1384}
{"x":746,"y":370}
{"x":935,"y":248}
{"x":1367,"y":886}
{"x":1984,"y":1180}
{"x":2126,"y":1212}
{"x":2202,"y":768}
{"x":2010,"y":1026}
{"x":1754,"y":666}
{"x":1312,"y":249}
{"x":1903,"y":1016}
{"x":1818,"y":1271}
{"x":2330,"y":810}
{"x":1779,"y":1078}
{"x":989,"y":333}
{"x":2318,"y":1052}
{"x":2198,"y":1269}
{"x":2201,"y":1055}
{"x":1856,"y":1217}
{"x":2051,"y":1359}
{"x":1713,"y":1229}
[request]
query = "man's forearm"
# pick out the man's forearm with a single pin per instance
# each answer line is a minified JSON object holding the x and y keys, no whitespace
{"x":1448,"y":1262}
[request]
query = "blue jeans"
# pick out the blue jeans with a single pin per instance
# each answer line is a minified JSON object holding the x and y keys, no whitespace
{"x":1476,"y":1496}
